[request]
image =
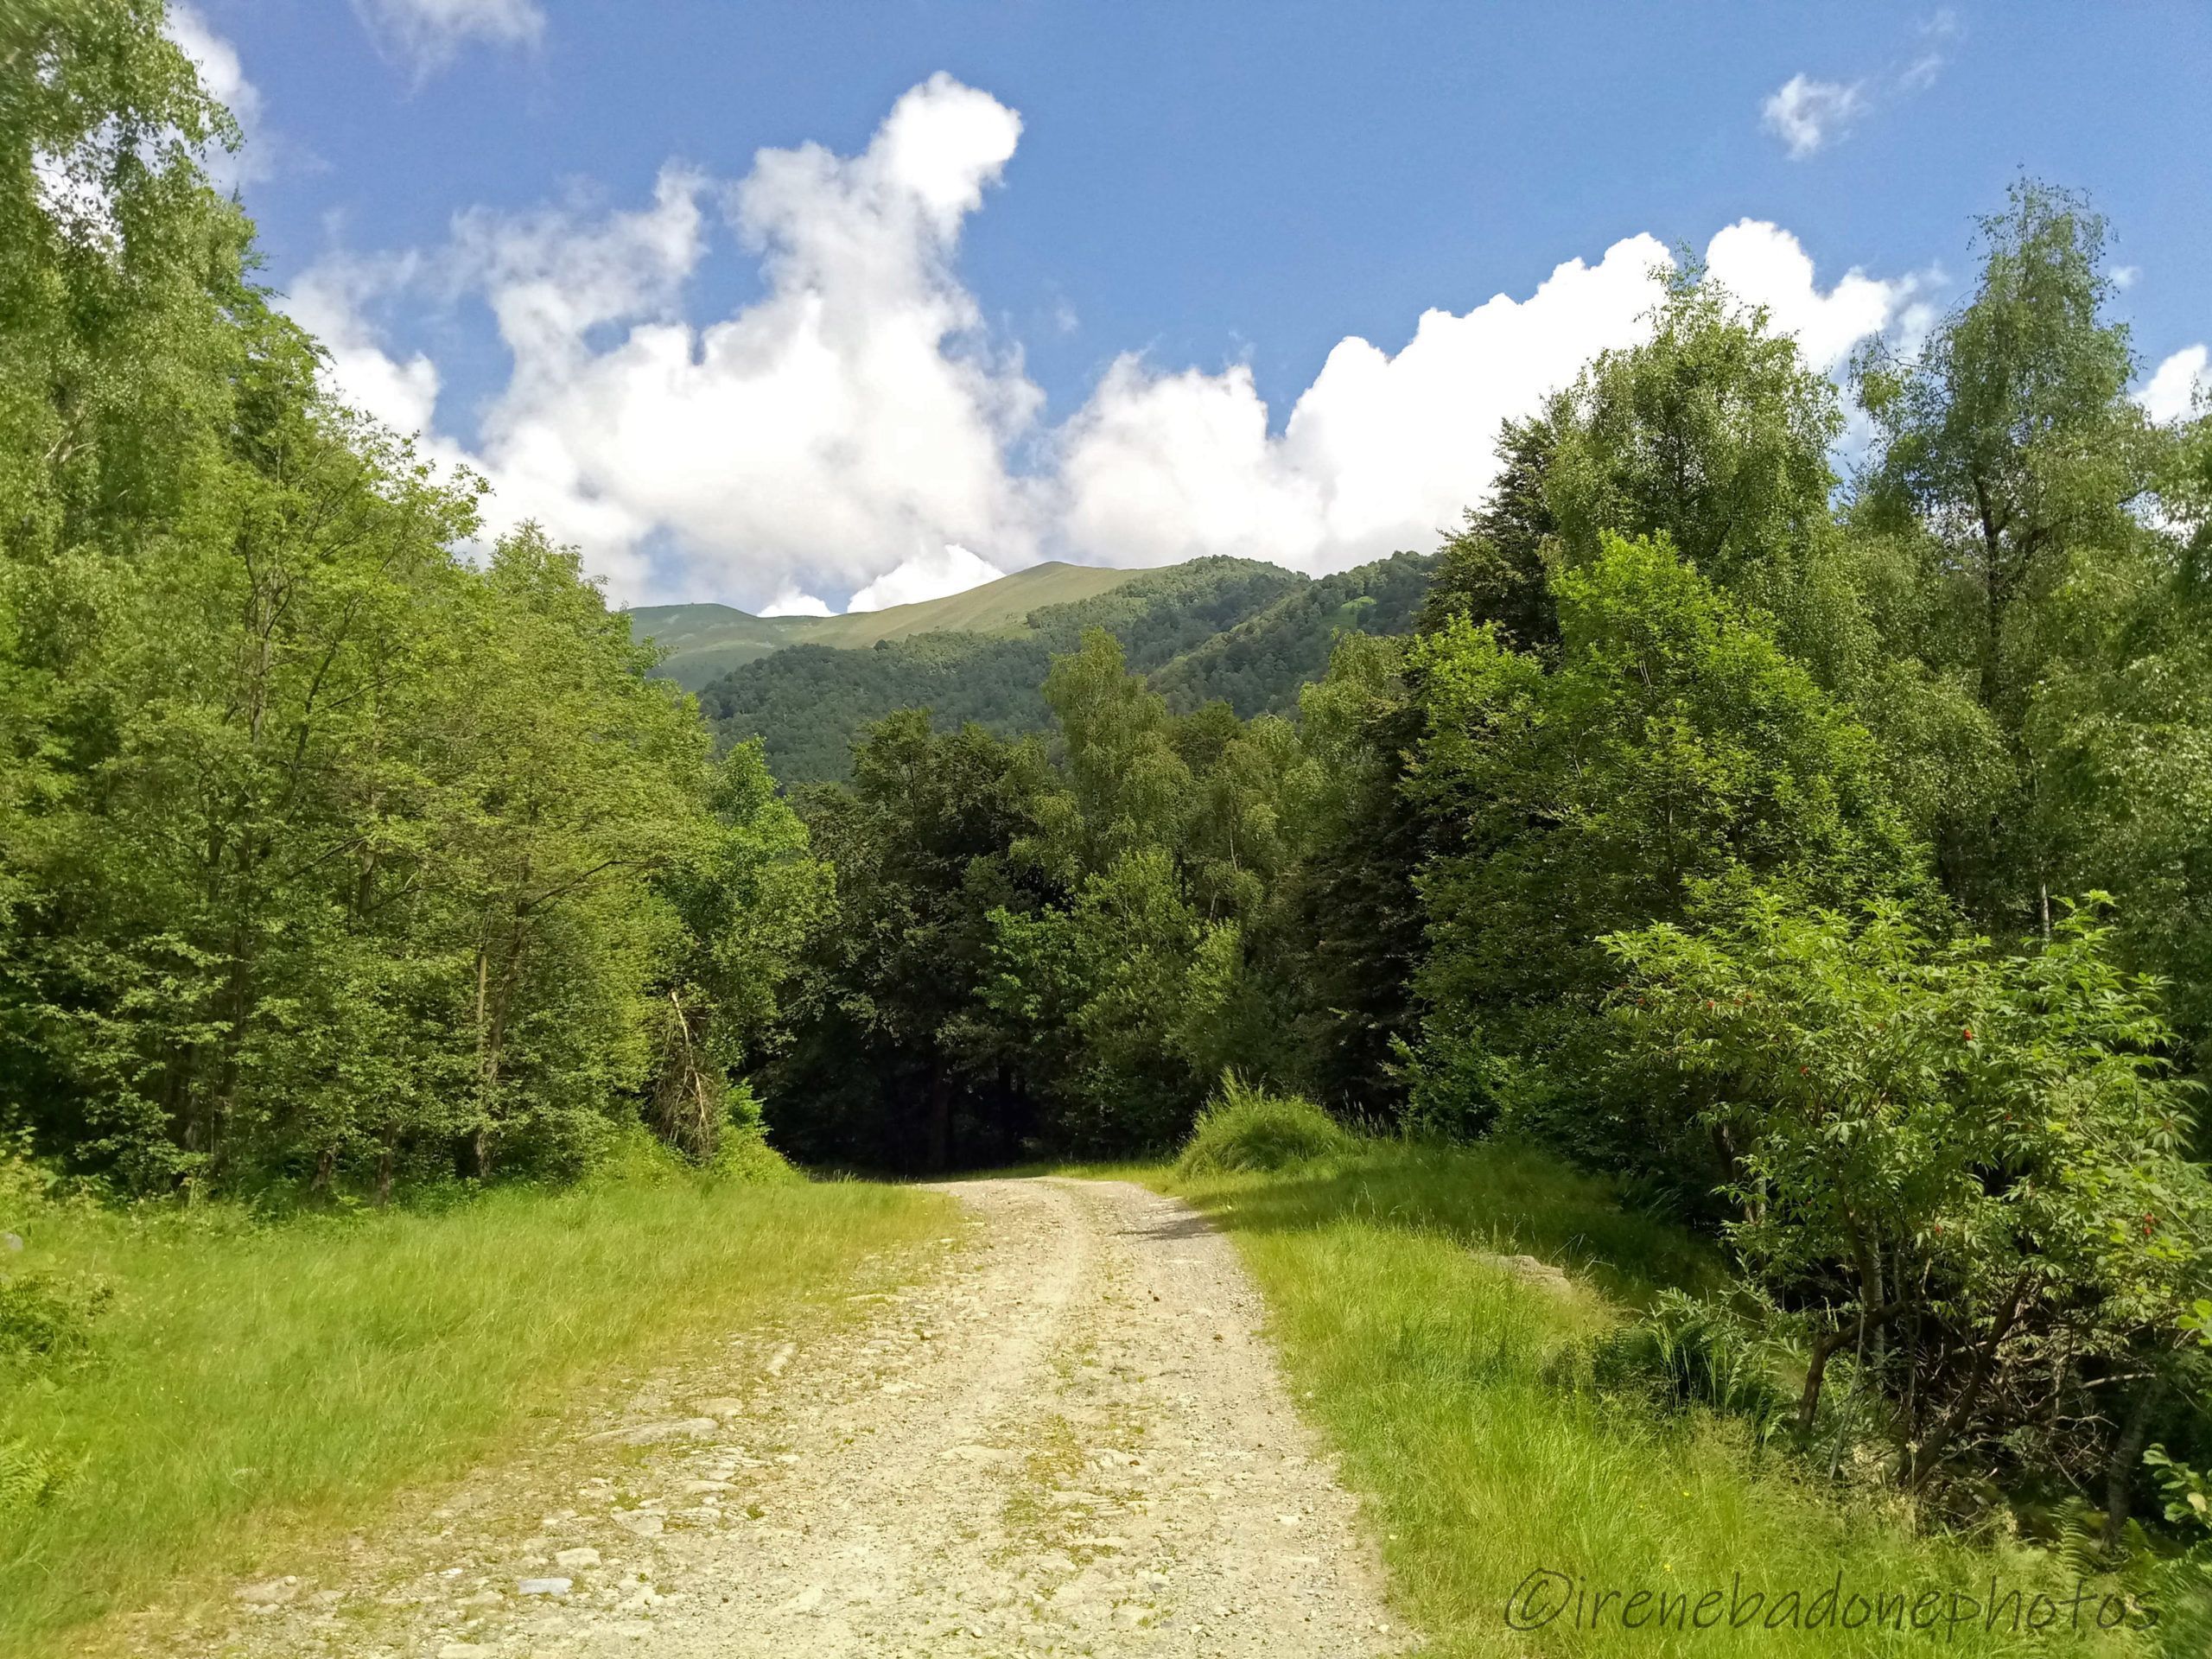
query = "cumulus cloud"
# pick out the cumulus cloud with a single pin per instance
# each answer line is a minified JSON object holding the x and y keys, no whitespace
{"x":429,"y":34}
{"x":855,"y":430}
{"x":791,"y":602}
{"x":853,"y":413}
{"x":951,"y":570}
{"x":330,"y":302}
{"x":1808,"y":115}
{"x":1381,"y":452}
{"x":2179,"y":387}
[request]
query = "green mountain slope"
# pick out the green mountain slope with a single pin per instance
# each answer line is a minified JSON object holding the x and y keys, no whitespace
{"x":706,"y":641}
{"x":1257,"y":666}
{"x":1247,"y":631}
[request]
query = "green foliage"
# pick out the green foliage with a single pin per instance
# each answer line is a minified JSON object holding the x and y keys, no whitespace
{"x":1715,"y":434}
{"x":2010,"y":466}
{"x":1970,"y":1160}
{"x":29,"y":1479}
{"x":1686,"y":1349}
{"x":329,"y":852}
{"x":1671,"y":759}
{"x":44,"y":1316}
{"x":1246,"y":1129}
{"x":1495,"y":570}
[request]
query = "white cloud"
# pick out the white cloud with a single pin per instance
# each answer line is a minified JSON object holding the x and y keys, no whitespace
{"x":328,"y":301}
{"x":951,"y":570}
{"x":1381,"y":452}
{"x":2126,"y":277}
{"x":809,"y":443}
{"x":1932,"y":53}
{"x":429,"y":33}
{"x":849,"y":415}
{"x":1764,"y":263}
{"x":2180,"y":387}
{"x":791,"y":602}
{"x":1808,"y":115}
{"x":224,"y":79}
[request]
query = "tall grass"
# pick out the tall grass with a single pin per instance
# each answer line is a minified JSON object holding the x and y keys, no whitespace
{"x":1430,"y":1362}
{"x":1245,"y":1129}
{"x":251,"y":1382}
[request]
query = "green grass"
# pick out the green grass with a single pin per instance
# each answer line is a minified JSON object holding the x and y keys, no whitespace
{"x":1249,"y":1130}
{"x":254,"y":1386}
{"x":1426,"y":1364}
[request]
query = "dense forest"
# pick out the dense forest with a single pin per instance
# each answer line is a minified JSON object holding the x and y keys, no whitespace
{"x":1819,"y":849}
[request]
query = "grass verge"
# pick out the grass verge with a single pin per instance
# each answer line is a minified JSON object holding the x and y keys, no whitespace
{"x":1423,"y":1355}
{"x":251,"y":1383}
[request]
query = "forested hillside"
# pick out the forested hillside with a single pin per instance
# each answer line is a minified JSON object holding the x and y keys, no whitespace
{"x":1249,"y":634}
{"x":808,"y":704}
{"x":1258,"y":666}
{"x":1824,"y":860}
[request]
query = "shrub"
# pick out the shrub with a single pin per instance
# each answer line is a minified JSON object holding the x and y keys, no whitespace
{"x":1247,"y":1128}
{"x":1965,"y":1163}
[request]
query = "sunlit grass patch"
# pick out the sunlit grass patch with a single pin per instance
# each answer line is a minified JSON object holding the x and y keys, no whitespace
{"x":1430,"y":1362}
{"x":251,"y":1383}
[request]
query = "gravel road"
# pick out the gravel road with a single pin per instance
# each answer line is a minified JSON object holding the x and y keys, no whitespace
{"x":1067,"y":1437}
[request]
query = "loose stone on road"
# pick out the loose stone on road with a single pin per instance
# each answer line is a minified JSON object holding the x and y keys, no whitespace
{"x":1070,"y":1439}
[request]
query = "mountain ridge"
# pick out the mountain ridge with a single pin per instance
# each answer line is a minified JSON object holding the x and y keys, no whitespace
{"x":707,"y":641}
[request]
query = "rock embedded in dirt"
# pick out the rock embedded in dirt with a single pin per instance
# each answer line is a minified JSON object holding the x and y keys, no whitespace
{"x":583,"y":1556}
{"x":1530,"y":1271}
{"x":271,"y":1592}
{"x":678,"y":1428}
{"x":544,"y":1586}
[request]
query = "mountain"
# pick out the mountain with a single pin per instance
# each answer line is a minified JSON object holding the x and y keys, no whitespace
{"x":706,"y":641}
{"x":1238,"y":629}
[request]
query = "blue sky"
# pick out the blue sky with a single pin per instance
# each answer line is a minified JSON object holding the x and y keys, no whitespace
{"x":1086,"y":305}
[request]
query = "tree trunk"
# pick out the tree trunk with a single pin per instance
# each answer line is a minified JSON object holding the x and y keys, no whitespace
{"x":2127,"y":1458}
{"x":940,"y":1116}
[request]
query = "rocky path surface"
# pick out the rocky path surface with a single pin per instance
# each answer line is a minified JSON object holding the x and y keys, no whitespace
{"x":1067,"y":1439}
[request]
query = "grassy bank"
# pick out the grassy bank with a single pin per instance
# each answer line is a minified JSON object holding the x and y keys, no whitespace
{"x":251,"y":1383}
{"x":1426,"y":1363}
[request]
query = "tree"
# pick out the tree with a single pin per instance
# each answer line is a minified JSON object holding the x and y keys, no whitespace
{"x":1673,"y":759}
{"x":2011,"y":456}
{"x":1715,"y":433}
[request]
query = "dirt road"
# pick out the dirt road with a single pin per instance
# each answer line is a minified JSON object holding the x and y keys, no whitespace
{"x":1069,"y":1437}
